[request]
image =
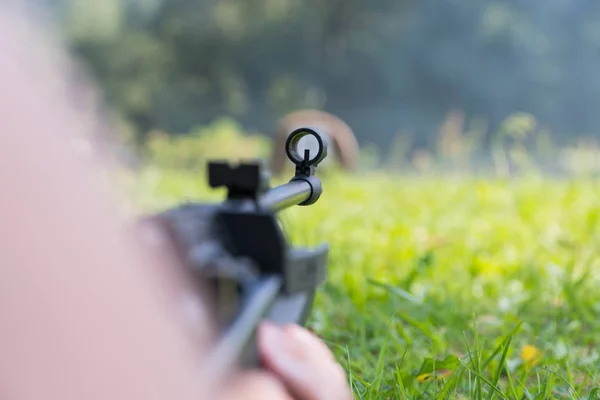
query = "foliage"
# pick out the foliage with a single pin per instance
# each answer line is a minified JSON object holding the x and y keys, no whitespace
{"x":517,"y":149}
{"x":223,"y":139}
{"x":382,"y":65}
{"x":516,"y":129}
{"x":444,"y":287}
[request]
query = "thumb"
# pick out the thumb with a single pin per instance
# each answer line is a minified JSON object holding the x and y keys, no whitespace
{"x":303,"y":363}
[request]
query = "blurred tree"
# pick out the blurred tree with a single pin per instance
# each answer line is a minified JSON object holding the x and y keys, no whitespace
{"x":383,"y":66}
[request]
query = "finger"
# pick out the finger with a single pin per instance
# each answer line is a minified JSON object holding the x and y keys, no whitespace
{"x":307,"y":339}
{"x":304,"y":366}
{"x":256,"y":385}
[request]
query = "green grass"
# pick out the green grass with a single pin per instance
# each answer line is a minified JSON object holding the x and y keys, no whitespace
{"x":449,"y":279}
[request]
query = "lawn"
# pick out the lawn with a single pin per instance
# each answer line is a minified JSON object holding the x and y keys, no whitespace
{"x":449,"y":288}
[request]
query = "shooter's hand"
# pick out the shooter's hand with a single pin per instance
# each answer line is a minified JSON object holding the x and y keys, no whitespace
{"x":301,"y":368}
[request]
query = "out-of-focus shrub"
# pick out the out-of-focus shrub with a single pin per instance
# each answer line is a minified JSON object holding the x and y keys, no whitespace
{"x":581,"y":160}
{"x":508,"y":145}
{"x":224,"y":139}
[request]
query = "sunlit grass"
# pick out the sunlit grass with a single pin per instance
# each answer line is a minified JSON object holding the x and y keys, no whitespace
{"x":449,"y":288}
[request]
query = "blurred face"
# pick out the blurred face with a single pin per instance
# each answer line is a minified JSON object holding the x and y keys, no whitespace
{"x":81,"y":290}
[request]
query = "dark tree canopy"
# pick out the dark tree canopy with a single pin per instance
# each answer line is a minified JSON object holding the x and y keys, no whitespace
{"x":382,"y":65}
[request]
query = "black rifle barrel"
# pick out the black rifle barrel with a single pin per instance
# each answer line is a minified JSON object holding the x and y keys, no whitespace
{"x":232,"y":345}
{"x":286,"y":195}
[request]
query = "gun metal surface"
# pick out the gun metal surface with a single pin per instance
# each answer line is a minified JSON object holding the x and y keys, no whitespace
{"x":240,"y":257}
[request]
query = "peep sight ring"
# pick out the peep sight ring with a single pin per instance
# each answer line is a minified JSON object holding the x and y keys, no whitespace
{"x":291,"y":148}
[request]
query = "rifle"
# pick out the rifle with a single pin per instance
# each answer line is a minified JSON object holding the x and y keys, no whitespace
{"x":238,"y":254}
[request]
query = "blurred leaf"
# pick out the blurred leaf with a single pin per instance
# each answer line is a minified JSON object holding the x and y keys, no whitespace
{"x":438,"y":368}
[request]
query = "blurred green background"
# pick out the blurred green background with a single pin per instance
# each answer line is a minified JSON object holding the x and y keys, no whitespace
{"x":428,"y":79}
{"x":464,"y":255}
